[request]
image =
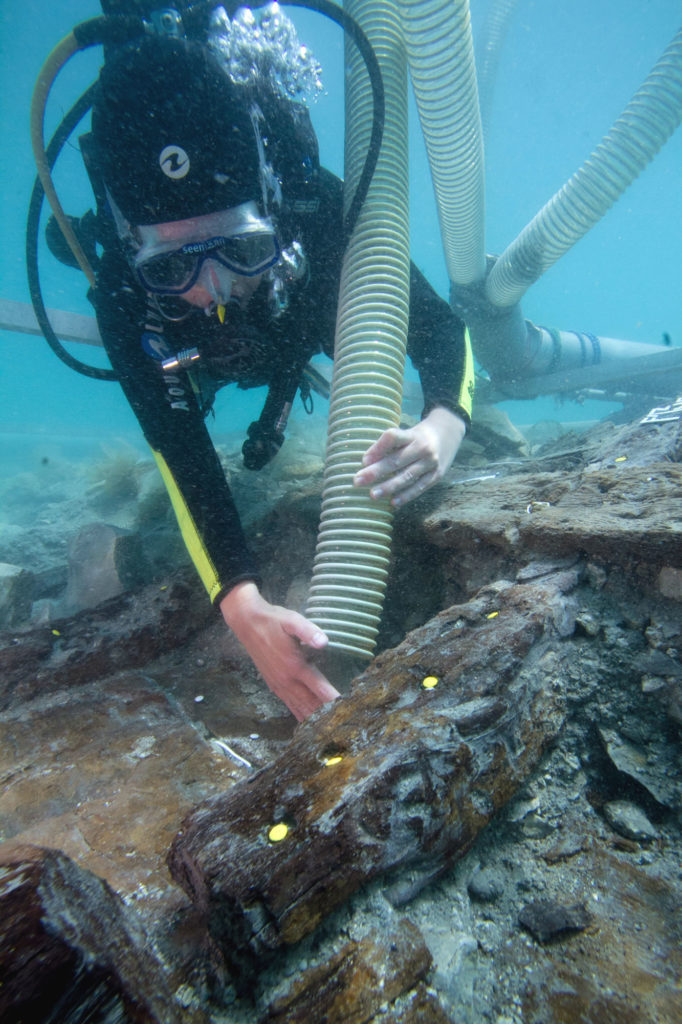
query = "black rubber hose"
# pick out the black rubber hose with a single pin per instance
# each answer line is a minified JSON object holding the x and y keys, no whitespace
{"x":351,"y":28}
{"x":68,"y":124}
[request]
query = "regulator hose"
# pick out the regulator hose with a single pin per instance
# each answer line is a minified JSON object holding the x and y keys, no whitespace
{"x":67,"y":126}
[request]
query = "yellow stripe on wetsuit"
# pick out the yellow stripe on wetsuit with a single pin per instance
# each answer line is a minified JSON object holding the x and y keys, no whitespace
{"x":466,"y":388}
{"x":188,"y":529}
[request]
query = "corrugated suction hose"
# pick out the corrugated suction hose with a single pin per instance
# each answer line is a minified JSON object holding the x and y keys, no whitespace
{"x":353,"y":547}
{"x":652,"y":115}
{"x":443,"y":72}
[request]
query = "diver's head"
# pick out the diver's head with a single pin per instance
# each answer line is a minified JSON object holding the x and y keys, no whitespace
{"x":186,"y":156}
{"x":174,"y":138}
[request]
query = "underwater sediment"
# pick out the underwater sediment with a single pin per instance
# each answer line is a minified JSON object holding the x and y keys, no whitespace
{"x":501,"y":846}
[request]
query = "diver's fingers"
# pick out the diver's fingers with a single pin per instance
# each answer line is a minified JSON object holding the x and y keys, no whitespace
{"x":392,"y":439}
{"x":296,"y":625}
{"x":413,"y":488}
{"x":301,"y":686}
{"x":407,"y":452}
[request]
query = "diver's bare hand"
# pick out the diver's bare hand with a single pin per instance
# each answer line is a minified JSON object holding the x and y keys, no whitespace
{"x":273,"y":636}
{"x":402,"y":464}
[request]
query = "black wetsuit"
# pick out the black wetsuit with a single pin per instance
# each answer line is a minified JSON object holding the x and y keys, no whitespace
{"x":171,"y":406}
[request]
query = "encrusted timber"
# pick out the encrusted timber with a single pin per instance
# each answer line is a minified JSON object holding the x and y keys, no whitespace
{"x":422,"y":771}
{"x":124,"y":632}
{"x":70,"y":950}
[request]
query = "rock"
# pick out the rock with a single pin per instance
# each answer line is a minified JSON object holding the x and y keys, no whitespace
{"x":588,"y":624}
{"x":50,"y":583}
{"x":543,"y":432}
{"x":670,"y":582}
{"x":628,"y":820}
{"x":363,"y":978}
{"x":103,"y":562}
{"x":16,"y":590}
{"x":70,"y":949}
{"x":485,"y":885}
{"x":634,"y":762}
{"x":566,"y":847}
{"x":299,"y":468}
{"x":413,"y":775}
{"x":534,"y":826}
{"x":420,"y":1006}
{"x":662,"y":664}
{"x":596,"y":575}
{"x":545,"y":919}
{"x":492,"y":428}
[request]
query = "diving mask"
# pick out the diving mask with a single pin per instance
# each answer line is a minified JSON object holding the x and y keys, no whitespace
{"x":239,"y":239}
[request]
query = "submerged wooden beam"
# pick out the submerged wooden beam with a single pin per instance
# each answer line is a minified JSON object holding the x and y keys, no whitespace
{"x":124,"y":632}
{"x":401,"y":773}
{"x":71,"y":951}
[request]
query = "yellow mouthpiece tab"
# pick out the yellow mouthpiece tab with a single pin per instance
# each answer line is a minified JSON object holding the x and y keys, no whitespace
{"x":220,"y":310}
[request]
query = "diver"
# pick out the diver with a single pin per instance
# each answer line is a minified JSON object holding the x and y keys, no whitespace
{"x":221,"y":249}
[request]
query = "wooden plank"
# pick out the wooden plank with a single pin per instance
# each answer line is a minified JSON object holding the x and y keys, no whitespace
{"x":397,"y":775}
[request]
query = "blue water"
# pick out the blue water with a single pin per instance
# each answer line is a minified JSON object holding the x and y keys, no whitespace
{"x":567,"y":70}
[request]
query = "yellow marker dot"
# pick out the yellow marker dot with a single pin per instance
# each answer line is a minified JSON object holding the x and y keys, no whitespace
{"x":278,"y":832}
{"x":163,"y":588}
{"x":333,"y":760}
{"x":493,"y":615}
{"x":429,"y":682}
{"x":55,"y":632}
{"x":621,"y":458}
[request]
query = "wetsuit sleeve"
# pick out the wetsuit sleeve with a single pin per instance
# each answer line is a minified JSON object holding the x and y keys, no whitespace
{"x":171,"y":420}
{"x":438,"y":345}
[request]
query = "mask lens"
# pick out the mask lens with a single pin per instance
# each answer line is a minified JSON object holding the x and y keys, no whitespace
{"x":250,"y":253}
{"x":175,"y":272}
{"x":172,"y":271}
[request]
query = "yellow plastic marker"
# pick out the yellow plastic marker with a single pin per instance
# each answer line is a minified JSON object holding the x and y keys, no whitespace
{"x":333,"y":760}
{"x":429,"y":682}
{"x":55,"y":632}
{"x":493,"y":615}
{"x":278,"y":832}
{"x":621,"y":458}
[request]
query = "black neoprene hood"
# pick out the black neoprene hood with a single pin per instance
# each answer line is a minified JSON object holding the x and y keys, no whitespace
{"x":173,"y":136}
